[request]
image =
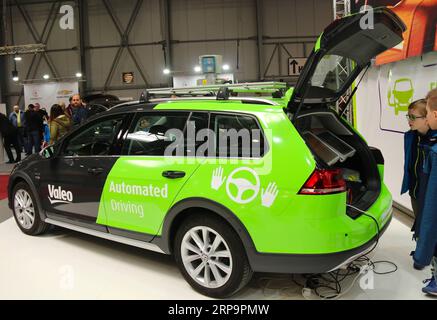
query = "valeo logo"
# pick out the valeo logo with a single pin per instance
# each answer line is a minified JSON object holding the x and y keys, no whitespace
{"x":243,"y":186}
{"x":401,"y":95}
{"x":58,"y":195}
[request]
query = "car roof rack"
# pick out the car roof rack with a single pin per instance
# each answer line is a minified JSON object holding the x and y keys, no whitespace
{"x":245,"y":100}
{"x":222,"y":92}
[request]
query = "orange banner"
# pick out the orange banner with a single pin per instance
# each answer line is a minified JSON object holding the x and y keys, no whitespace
{"x":420,"y":17}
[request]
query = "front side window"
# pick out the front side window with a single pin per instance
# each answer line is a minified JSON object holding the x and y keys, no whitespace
{"x":95,"y":139}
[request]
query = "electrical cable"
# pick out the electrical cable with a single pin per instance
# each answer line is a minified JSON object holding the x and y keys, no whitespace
{"x":354,"y":268}
{"x":329,"y":286}
{"x":377,"y":227}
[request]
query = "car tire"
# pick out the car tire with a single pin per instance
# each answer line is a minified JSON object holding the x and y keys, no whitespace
{"x":26,"y":211}
{"x":226,"y":263}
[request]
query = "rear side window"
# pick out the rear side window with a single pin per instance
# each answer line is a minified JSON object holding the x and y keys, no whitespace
{"x":237,"y":136}
{"x":197,"y":135}
{"x":151,"y":133}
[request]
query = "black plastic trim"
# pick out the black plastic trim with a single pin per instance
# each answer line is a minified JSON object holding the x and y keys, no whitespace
{"x":131,"y":234}
{"x":77,"y":222}
{"x":306,"y":263}
{"x":261,"y":262}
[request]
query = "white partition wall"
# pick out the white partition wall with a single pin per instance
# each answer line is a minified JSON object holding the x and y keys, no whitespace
{"x":381,"y":105}
{"x":47,"y":94}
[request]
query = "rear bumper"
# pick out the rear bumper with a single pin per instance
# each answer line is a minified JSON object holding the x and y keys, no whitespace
{"x":310,"y":263}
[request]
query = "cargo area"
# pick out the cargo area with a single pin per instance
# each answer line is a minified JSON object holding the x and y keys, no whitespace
{"x":335,"y":145}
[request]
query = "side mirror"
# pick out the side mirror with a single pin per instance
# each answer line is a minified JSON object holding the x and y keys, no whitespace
{"x":48,"y":152}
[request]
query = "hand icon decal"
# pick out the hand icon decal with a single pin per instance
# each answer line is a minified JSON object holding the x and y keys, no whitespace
{"x":217,"y":178}
{"x":244,"y":179}
{"x":269,"y":196}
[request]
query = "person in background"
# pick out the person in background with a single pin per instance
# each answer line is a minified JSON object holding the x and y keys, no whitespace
{"x":63,"y":106}
{"x":26,"y":132}
{"x":45,"y":128}
{"x":79,"y":112}
{"x":69,"y":109}
{"x":9,"y":134}
{"x":414,"y":157}
{"x":42,"y":112}
{"x":45,"y":134}
{"x":34,"y":127}
{"x":59,"y":123}
{"x":426,"y":249}
{"x":17,"y":120}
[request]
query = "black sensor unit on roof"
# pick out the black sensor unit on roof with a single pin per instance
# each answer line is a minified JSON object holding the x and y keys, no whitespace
{"x":145,"y":96}
{"x":223,"y":93}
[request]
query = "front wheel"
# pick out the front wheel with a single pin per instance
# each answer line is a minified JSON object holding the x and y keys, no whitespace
{"x":211,"y":256}
{"x":26,"y":212}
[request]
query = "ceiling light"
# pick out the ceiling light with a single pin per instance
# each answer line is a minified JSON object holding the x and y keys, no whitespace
{"x":46,"y":76}
{"x":15,"y":77}
{"x":166,"y":71}
{"x":197,"y":69}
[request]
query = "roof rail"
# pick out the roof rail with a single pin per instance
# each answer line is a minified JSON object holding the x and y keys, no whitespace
{"x":274,"y":88}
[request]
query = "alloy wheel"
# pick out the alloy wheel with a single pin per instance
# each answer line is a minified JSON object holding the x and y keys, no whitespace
{"x":206,"y":257}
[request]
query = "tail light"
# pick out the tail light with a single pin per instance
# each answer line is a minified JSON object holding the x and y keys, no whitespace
{"x":324,"y":181}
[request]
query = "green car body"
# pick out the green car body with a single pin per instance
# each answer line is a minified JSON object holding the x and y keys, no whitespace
{"x":294,"y":224}
{"x":311,"y":201}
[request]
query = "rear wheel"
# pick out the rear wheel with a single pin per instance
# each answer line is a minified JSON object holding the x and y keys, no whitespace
{"x":211,"y":256}
{"x":26,"y":212}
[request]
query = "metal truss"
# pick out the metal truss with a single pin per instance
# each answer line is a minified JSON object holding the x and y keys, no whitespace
{"x":39,"y":38}
{"x":277,"y":52}
{"x":22,"y":49}
{"x":42,"y":38}
{"x":279,"y":43}
{"x":124,"y":43}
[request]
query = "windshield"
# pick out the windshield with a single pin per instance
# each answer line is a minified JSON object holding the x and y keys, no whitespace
{"x":332,"y":72}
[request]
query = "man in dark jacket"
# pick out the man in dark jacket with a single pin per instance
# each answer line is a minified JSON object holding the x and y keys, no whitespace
{"x":34,"y":127}
{"x":78,"y":110}
{"x":426,"y":250}
{"x":10,"y":135}
{"x":42,"y":112}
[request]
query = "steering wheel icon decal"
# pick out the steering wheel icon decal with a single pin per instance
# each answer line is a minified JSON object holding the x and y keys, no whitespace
{"x":243,"y":186}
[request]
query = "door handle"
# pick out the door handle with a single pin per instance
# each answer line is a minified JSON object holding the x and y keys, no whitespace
{"x":173,"y":174}
{"x":95,"y":171}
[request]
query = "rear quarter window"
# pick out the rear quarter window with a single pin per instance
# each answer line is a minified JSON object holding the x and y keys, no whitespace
{"x":237,"y":136}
